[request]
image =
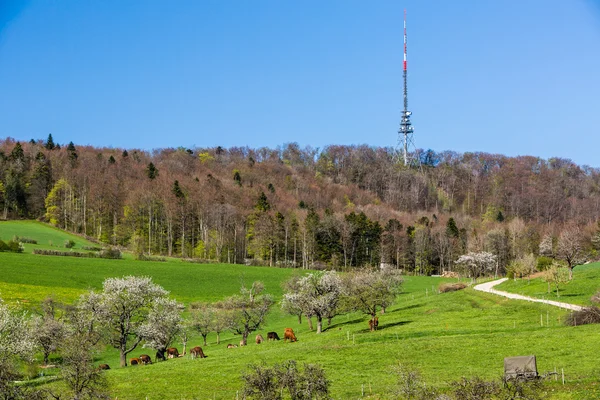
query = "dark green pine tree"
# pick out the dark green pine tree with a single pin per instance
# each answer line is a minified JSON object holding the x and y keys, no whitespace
{"x":72,"y":152}
{"x":177,"y":190}
{"x":263,"y":203}
{"x":111,"y":160}
{"x":451,"y":228}
{"x":17,"y":153}
{"x":50,"y":143}
{"x":151,"y":171}
{"x":125,"y":154}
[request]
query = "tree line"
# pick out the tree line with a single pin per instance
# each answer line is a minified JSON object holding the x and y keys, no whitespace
{"x":338,"y":207}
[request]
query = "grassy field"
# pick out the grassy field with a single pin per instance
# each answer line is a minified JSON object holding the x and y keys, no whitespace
{"x":585,"y":283}
{"x":445,"y":336}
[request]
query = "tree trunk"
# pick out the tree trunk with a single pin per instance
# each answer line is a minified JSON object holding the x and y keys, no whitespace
{"x":310,"y":324}
{"x":245,"y":338}
{"x":218,"y":337}
{"x":299,"y":319}
{"x":319,"y":324}
{"x":122,"y":358}
{"x":204,"y":337}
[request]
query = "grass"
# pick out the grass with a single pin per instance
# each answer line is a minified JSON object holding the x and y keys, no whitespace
{"x":47,"y":237}
{"x":585,"y":283}
{"x":445,"y":336}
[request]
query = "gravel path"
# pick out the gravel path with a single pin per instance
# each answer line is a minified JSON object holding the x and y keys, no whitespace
{"x":488,"y":287}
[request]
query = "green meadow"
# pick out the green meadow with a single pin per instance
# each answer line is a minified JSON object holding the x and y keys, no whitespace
{"x":585,"y":283}
{"x":445,"y":336}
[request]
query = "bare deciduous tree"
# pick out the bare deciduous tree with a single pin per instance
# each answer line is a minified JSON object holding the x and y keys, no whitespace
{"x":370,"y":291}
{"x":248,"y":309}
{"x":570,"y":249}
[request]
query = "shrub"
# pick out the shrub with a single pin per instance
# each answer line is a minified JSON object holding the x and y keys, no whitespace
{"x":474,"y":389}
{"x":15,"y":247}
{"x":91,"y":248}
{"x":451,"y":287}
{"x":3,"y":246}
{"x":263,"y":382}
{"x":63,"y":253}
{"x":143,"y":257}
{"x":112,"y":254}
{"x":69,"y":244}
{"x":24,"y":240}
{"x":587,"y":315}
{"x":543,"y":263}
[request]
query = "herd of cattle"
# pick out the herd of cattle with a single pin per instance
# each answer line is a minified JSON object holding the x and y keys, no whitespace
{"x":197,"y":352}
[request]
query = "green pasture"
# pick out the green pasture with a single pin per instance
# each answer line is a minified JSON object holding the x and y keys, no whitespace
{"x":445,"y":336}
{"x":585,"y":283}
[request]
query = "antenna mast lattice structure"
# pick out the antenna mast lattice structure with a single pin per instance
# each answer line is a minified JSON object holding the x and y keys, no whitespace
{"x":405,"y":133}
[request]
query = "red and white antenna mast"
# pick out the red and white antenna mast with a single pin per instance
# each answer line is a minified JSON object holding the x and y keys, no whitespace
{"x":405,"y":134}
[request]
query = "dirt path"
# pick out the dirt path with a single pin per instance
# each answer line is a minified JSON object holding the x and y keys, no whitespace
{"x":488,"y":287}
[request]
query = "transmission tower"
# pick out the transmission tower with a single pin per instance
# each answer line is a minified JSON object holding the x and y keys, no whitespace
{"x":405,"y":133}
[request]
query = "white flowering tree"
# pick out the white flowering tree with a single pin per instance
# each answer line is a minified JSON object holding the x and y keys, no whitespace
{"x":122,"y":308}
{"x":475,"y":265}
{"x":315,"y":294}
{"x":163,"y":325}
{"x":17,"y":341}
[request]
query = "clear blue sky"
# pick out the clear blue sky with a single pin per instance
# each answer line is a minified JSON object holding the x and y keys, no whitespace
{"x":512,"y":77}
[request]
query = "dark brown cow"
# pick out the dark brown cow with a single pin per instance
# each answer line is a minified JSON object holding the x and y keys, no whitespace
{"x":103,"y":366}
{"x":160,"y":356}
{"x":135,"y":361}
{"x":197,"y":352}
{"x":373,"y":324}
{"x":145,"y":358}
{"x":231,"y":346}
{"x":272,"y":336}
{"x":289,"y":334}
{"x":172,"y":352}
{"x":259,"y":339}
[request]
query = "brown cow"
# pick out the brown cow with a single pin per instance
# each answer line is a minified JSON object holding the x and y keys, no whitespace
{"x":197,"y":352}
{"x":231,"y":346}
{"x":259,"y":339}
{"x":103,"y":366}
{"x":289,"y":334}
{"x":373,"y":324}
{"x":172,"y":352}
{"x":242,"y":343}
{"x":145,"y":358}
{"x":272,"y":336}
{"x":135,"y":361}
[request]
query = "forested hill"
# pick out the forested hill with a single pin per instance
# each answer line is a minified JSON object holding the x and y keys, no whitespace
{"x":339,"y":206}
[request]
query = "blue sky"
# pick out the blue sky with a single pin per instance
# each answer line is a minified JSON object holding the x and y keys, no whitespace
{"x":511,"y":77}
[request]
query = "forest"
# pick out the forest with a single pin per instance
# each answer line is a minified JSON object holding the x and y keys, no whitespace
{"x":337,"y":207}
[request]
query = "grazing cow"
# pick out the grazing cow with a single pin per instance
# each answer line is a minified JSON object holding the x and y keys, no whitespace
{"x":160,"y":356}
{"x":197,"y":352}
{"x":272,"y":336}
{"x":172,"y":352}
{"x":373,"y":324}
{"x":145,"y":358}
{"x":231,"y":346}
{"x":103,"y":366}
{"x":135,"y":361}
{"x":289,"y":334}
{"x":259,"y":339}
